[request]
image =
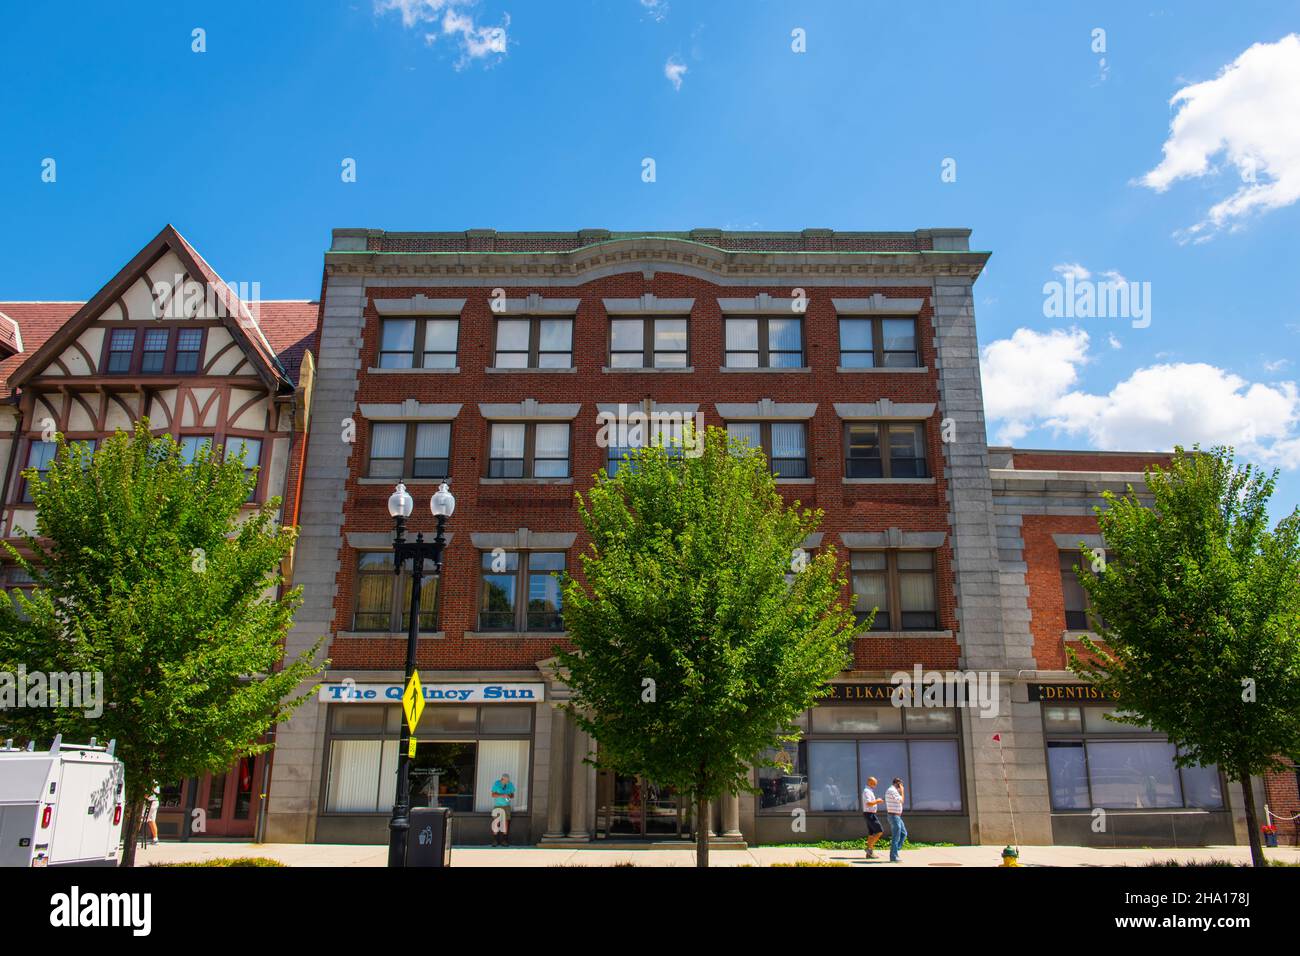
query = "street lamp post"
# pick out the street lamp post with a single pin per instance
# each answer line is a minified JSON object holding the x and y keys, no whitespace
{"x":418,"y":551}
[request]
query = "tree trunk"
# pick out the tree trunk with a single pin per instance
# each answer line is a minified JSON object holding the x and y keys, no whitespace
{"x":701,"y":832}
{"x":1252,"y":824}
{"x":131,"y":823}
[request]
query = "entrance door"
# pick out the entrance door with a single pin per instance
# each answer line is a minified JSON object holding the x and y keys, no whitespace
{"x":228,"y":800}
{"x":632,"y":806}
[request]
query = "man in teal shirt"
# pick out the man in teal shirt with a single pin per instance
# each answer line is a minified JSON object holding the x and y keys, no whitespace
{"x":503,"y":795}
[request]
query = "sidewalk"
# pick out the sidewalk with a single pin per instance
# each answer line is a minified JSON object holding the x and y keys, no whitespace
{"x":335,"y":855}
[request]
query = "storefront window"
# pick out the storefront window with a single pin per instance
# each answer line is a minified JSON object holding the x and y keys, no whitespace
{"x":848,"y":744}
{"x":461,"y":750}
{"x":832,"y":774}
{"x":1119,"y":766}
{"x":786,"y":784}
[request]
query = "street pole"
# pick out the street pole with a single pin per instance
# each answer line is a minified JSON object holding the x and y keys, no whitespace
{"x":418,"y":551}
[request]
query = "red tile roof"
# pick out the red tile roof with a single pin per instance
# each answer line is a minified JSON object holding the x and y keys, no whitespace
{"x":288,"y":325}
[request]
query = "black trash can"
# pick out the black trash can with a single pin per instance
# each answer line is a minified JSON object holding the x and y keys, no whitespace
{"x":429,"y":841}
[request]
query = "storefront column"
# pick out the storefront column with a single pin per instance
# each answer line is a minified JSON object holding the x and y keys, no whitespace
{"x":559,"y":768}
{"x":731,"y":816}
{"x":578,"y":805}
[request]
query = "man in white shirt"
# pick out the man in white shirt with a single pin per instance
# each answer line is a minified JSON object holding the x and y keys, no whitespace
{"x":870,"y":803}
{"x":894,"y":808}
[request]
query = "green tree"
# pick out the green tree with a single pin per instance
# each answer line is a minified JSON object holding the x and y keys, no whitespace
{"x":1199,"y":616}
{"x":699,"y":635}
{"x":151,"y":572}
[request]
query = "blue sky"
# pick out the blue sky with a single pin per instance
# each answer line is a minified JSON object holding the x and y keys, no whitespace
{"x":531,"y":115}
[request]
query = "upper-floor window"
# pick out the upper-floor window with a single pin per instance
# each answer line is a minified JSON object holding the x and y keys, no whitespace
{"x":121,"y":349}
{"x":252,"y":450}
{"x":884,"y":450}
{"x":528,"y":450}
{"x":900,"y":585}
{"x":188,"y":344}
{"x":146,"y":351}
{"x":647,"y":343}
{"x":383,"y":599}
{"x":190,"y":445}
{"x":784,"y":443}
{"x":520,"y":591}
{"x":41,"y":453}
{"x":534,"y":343}
{"x":410,"y":449}
{"x":1078,"y":605}
{"x":418,"y":343}
{"x":39,"y":456}
{"x":878,"y":343}
{"x":764,"y":342}
{"x":153,"y":357}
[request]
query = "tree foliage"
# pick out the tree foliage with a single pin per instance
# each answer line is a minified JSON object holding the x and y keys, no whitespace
{"x":152,"y":572}
{"x":699,"y":636}
{"x":1199,"y":606}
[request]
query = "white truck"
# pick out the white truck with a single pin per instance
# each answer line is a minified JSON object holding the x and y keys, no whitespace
{"x":62,"y":806}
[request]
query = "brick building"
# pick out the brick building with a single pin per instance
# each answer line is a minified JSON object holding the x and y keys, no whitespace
{"x":487,"y":359}
{"x":167,"y":339}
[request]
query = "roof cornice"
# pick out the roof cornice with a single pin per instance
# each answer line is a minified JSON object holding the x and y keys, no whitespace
{"x":657,"y":254}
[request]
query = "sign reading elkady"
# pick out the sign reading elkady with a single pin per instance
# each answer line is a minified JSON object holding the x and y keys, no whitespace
{"x":349,"y":692}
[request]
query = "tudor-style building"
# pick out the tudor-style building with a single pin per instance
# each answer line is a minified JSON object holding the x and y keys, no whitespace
{"x":168,"y":340}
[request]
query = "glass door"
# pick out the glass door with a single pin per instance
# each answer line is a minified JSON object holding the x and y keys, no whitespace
{"x":631,"y":806}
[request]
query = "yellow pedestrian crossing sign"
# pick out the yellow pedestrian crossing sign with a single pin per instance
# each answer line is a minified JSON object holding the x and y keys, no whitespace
{"x":413,"y":702}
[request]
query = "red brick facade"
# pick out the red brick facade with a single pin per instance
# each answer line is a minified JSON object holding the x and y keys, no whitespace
{"x":506,"y":507}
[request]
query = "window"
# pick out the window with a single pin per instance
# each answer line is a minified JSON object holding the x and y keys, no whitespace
{"x":251,"y":448}
{"x":673,"y":446}
{"x":383,"y":606}
{"x":878,"y":343}
{"x":647,"y":343}
{"x":188,"y":344}
{"x":410,"y":449}
{"x":418,"y":343}
{"x":41,"y":453}
{"x":534,"y":343}
{"x":784,"y":443}
{"x":121,"y":346}
{"x":39,"y":456}
{"x":1078,"y":606}
{"x":880,"y":450}
{"x":528,"y":450}
{"x":462,"y":751}
{"x":764,"y":342}
{"x":848,"y":744}
{"x":900,"y":585}
{"x":506,"y":575}
{"x":1094,"y":762}
{"x":190,"y":445}
{"x":155,"y":351}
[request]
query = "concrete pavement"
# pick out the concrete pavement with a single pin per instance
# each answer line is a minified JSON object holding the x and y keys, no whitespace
{"x":335,"y":855}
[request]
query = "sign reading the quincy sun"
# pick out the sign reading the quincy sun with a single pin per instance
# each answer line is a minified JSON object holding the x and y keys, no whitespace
{"x":348,"y":692}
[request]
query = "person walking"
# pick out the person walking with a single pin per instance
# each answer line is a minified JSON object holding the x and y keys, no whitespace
{"x":151,"y":813}
{"x":894,"y":808}
{"x":870,"y":803}
{"x":503,"y":795}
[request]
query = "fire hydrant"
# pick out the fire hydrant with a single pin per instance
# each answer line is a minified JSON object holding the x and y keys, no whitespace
{"x":1010,"y":856}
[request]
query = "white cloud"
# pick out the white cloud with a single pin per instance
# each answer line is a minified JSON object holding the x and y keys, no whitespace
{"x":675,"y":69}
{"x":1024,"y":374}
{"x":1247,"y":113}
{"x":1078,"y":272}
{"x":474,"y":40}
{"x":1276,"y":365}
{"x":1114,"y":341}
{"x":655,"y":9}
{"x":1029,"y":383}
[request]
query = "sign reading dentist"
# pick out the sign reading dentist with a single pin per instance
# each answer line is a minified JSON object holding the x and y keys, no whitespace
{"x":350,"y":692}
